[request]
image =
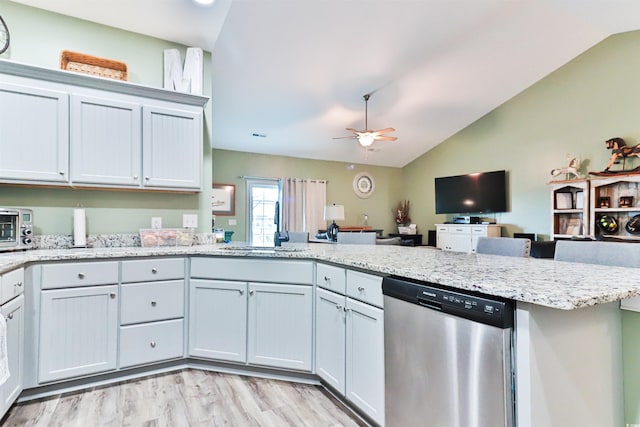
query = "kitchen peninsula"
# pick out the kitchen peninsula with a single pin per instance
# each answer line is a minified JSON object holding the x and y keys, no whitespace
{"x":567,"y":326}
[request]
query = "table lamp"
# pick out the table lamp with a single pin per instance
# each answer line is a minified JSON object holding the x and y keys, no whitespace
{"x":333,"y":212}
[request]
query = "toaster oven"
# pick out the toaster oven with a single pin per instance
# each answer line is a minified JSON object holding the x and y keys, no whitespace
{"x":16,"y":229}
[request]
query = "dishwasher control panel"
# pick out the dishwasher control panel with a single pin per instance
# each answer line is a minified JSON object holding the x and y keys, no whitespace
{"x":488,"y":310}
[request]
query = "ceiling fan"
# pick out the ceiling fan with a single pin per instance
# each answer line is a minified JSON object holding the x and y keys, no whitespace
{"x":366,"y":137}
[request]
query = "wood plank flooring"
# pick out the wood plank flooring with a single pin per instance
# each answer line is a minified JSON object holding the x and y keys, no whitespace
{"x":190,"y":398}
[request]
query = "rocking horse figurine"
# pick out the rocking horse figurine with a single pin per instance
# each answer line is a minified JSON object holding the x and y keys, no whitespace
{"x":619,"y":149}
{"x":571,"y":169}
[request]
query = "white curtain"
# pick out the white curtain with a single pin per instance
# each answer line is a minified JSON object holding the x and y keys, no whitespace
{"x":303,"y":204}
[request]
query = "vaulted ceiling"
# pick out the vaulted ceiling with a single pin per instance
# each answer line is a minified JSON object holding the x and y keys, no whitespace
{"x":296,"y":70}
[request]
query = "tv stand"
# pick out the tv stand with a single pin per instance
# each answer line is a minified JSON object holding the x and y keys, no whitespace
{"x":464,"y":237}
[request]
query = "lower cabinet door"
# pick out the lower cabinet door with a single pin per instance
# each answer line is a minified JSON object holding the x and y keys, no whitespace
{"x":330,"y":338}
{"x":280,"y":332}
{"x":78,"y":332}
{"x":151,"y":342}
{"x":365,"y":358}
{"x":13,"y":312}
{"x":218,"y":320}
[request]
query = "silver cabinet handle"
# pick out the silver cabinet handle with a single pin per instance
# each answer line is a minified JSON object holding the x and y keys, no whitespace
{"x":326,"y":279}
{"x":339,"y":307}
{"x":345,"y":309}
{"x":361,"y":288}
{"x":154,"y":270}
{"x":80,"y":275}
{"x":152,"y":344}
{"x":10,"y":316}
{"x":135,"y":177}
{"x":61,"y":172}
{"x":112,"y":295}
{"x":19,"y":284}
{"x":241,"y":291}
{"x":251,"y":292}
{"x":153,"y":303}
{"x":147,"y":178}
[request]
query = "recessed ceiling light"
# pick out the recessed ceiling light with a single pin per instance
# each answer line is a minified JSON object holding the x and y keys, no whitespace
{"x":204,"y":2}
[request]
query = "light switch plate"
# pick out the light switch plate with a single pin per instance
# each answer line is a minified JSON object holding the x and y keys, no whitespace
{"x":233,"y":222}
{"x":156,"y":222}
{"x":190,"y":220}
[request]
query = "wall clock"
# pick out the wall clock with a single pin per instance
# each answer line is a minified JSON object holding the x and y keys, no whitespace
{"x":363,"y":185}
{"x":4,"y":36}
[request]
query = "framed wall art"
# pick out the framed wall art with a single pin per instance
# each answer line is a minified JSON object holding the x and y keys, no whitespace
{"x":223,"y":199}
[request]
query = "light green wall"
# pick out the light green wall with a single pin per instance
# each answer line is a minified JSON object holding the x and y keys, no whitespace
{"x":573,"y":110}
{"x":228,"y":166}
{"x":38,"y":37}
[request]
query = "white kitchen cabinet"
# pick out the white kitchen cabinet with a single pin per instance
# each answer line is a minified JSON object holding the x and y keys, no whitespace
{"x":331,"y":339}
{"x":106,"y":141}
{"x":151,"y":342}
{"x":172,"y":148}
{"x":13,"y":312}
{"x":280,"y":331}
{"x":463,"y":237}
{"x":218,"y":320}
{"x":75,"y":130}
{"x":365,"y":358}
{"x":11,"y":285}
{"x":34,"y":133}
{"x":78,"y":332}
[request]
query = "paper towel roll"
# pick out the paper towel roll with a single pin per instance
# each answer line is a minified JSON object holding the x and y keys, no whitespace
{"x":79,"y":228}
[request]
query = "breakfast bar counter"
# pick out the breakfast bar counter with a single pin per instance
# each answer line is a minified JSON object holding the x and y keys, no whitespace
{"x":544,"y":282}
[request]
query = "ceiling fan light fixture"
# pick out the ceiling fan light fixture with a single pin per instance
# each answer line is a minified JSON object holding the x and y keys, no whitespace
{"x":203,"y":2}
{"x":366,"y":139}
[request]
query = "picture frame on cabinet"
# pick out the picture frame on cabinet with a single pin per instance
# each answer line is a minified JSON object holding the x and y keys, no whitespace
{"x":625,"y":202}
{"x":564,"y":200}
{"x":574,"y":227}
{"x":223,"y":199}
{"x":604,"y":202}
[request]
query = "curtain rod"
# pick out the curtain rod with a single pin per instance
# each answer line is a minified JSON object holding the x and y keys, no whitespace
{"x":264,"y":178}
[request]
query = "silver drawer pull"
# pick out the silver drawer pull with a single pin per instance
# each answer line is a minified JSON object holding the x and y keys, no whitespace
{"x":251,"y":292}
{"x":360,"y":288}
{"x":112,"y":295}
{"x":10,"y":316}
{"x":80,"y":275}
{"x":154,"y":270}
{"x":241,"y":291}
{"x":154,"y":303}
{"x":326,"y":279}
{"x":152,"y":344}
{"x":339,"y":307}
{"x":19,"y":284}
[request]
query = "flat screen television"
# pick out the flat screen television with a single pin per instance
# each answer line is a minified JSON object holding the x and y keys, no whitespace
{"x":484,"y":192}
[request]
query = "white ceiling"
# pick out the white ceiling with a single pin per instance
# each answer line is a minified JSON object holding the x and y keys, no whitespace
{"x":296,"y":70}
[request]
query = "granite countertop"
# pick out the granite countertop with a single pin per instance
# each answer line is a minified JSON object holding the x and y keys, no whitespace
{"x":555,"y":284}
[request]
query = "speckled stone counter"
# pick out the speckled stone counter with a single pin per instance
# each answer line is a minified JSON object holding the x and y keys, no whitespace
{"x":545,"y":282}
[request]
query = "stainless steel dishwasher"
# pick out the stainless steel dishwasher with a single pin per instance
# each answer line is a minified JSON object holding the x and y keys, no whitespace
{"x":447,"y":357}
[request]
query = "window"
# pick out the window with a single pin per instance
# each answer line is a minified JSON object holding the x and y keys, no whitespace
{"x":262,"y":197}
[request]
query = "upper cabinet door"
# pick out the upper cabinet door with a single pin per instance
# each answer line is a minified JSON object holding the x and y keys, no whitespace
{"x":106,"y":141}
{"x":172,"y":146}
{"x":34,"y":134}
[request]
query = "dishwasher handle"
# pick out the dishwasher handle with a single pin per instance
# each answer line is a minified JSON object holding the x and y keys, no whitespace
{"x":430,"y":304}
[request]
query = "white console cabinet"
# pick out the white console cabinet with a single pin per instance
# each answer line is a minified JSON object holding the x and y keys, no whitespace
{"x":463,"y":237}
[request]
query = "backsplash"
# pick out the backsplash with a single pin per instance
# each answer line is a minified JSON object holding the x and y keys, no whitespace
{"x":60,"y":241}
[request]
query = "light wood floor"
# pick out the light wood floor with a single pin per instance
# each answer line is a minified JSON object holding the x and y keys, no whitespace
{"x":188,"y":398}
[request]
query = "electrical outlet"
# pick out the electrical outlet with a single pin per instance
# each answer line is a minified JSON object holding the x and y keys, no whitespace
{"x":190,"y":220}
{"x":156,"y":222}
{"x":233,"y":222}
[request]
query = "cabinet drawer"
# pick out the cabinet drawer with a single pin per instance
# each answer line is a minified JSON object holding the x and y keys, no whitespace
{"x":479,"y":231}
{"x":442,"y":229}
{"x":253,"y":270}
{"x":152,"y":269}
{"x":459,"y":230}
{"x":364,"y":287}
{"x":332,"y":278}
{"x":151,"y":342}
{"x":147,"y":302}
{"x":12,"y":285}
{"x":79,"y":274}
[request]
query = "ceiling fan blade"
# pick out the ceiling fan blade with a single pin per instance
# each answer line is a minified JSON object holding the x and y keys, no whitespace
{"x":386,"y":138}
{"x":346,"y":137}
{"x":381,"y":131}
{"x":355,"y":131}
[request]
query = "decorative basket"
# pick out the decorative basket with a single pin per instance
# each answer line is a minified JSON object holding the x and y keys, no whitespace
{"x":406,"y":230}
{"x":93,"y":65}
{"x":156,"y":237}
